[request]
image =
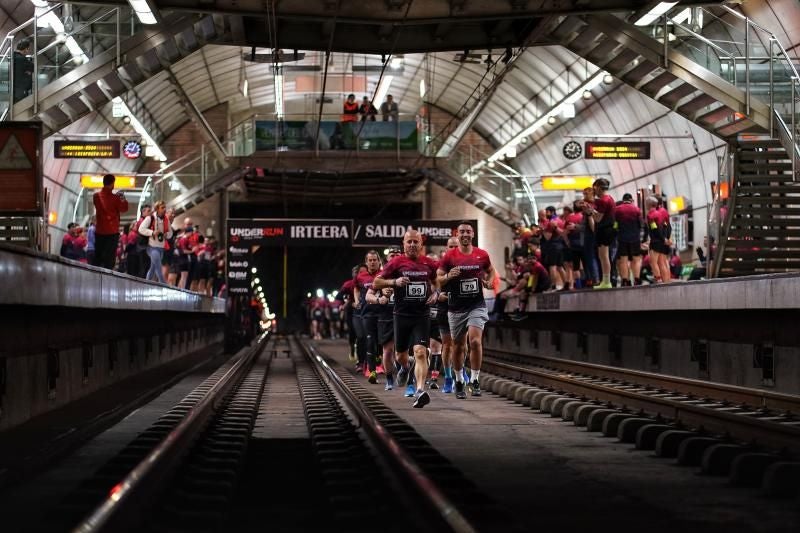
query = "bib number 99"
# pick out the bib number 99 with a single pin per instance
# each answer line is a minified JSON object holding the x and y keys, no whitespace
{"x":416,"y":290}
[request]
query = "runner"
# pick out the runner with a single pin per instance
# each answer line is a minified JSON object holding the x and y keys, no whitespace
{"x":412,"y":276}
{"x":385,"y":298}
{"x":444,"y":329}
{"x":468,"y":268}
{"x":369,"y":317}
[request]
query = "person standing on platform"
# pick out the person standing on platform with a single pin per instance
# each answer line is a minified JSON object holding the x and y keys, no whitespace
{"x":412,"y":276}
{"x":90,"y":234}
{"x":367,"y":110}
{"x":603,"y":215}
{"x":157,"y":229}
{"x":628,"y":218}
{"x":108,"y":207}
{"x":466,"y":268}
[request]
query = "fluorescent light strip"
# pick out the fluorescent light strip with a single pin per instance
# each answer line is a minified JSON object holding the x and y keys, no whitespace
{"x":574,"y":96}
{"x":654,"y":13}
{"x":52,"y":20}
{"x":151,"y":146}
{"x":143,"y":12}
{"x":279,"y":104}
{"x":383,"y":89}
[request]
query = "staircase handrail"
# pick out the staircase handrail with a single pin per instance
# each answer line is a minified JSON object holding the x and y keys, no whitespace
{"x":722,"y":241}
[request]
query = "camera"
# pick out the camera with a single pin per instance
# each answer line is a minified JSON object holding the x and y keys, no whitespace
{"x":160,"y":237}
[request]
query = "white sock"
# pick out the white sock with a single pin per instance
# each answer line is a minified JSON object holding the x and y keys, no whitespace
{"x":476,"y":374}
{"x":459,"y":375}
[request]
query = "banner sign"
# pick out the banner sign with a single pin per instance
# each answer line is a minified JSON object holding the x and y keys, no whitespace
{"x":617,"y":150}
{"x":86,"y":149}
{"x":290,"y":232}
{"x":95,"y":181}
{"x":567,"y":183}
{"x":390,"y":232}
{"x":333,"y":135}
{"x":21,"y":169}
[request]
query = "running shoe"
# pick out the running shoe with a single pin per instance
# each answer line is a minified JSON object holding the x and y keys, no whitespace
{"x":389,"y":382}
{"x":604,"y":285}
{"x":422,"y":399}
{"x":402,"y":377}
{"x":359,"y":367}
{"x":373,"y":377}
{"x":380,"y":370}
{"x":476,"y":388}
{"x":433,"y":385}
{"x":465,"y":374}
{"x":366,"y":371}
{"x":410,"y":390}
{"x":460,"y":394}
{"x":448,"y":386}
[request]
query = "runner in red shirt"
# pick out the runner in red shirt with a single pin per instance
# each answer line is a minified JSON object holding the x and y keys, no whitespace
{"x":412,"y":276}
{"x":367,"y":319}
{"x":628,"y":219}
{"x":659,"y":232}
{"x":603,"y":214}
{"x":469,"y":269}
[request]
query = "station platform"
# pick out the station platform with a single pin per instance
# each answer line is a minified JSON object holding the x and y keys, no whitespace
{"x":552,"y":475}
{"x":33,"y":278}
{"x":71,"y":329}
{"x":770,"y":291}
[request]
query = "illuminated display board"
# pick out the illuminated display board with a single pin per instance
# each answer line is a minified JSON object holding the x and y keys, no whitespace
{"x":566,"y":183}
{"x":86,"y":149}
{"x":617,"y":150}
{"x":95,"y":181}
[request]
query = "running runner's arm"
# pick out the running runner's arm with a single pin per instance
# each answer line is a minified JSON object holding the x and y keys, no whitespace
{"x":488,"y":282}
{"x":356,"y":296}
{"x":372,"y":298}
{"x":380,"y":283}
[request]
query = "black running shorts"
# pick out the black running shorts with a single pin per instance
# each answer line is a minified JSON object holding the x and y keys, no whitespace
{"x":411,"y":331}
{"x":605,"y":235}
{"x":629,"y":250}
{"x":385,"y":331}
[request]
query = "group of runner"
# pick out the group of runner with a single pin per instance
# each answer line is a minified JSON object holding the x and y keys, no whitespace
{"x":416,"y":313}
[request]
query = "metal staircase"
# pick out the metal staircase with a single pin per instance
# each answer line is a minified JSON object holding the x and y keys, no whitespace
{"x":113,"y":70}
{"x":762,"y":232}
{"x":664,"y":74}
{"x":741,"y":86}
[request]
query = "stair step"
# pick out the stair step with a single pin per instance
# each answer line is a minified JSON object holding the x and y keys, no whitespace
{"x":696,"y":104}
{"x":652,"y":87}
{"x":767,"y":200}
{"x":748,"y":244}
{"x":639,"y":72}
{"x":762,"y":167}
{"x":767,"y":211}
{"x":585,"y":39}
{"x":603,"y":52}
{"x":759,"y":143}
{"x":738,"y":127}
{"x":675,"y":95}
{"x":762,"y":179}
{"x":765,"y":254}
{"x":568,"y":26}
{"x":621,"y":61}
{"x":768,"y":155}
{"x":776,"y":233}
{"x":768,"y":189}
{"x":717,"y":114}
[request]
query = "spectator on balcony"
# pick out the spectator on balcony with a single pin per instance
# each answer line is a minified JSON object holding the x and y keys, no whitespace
{"x":350,"y":109}
{"x":389,"y":109}
{"x":23,"y":70}
{"x":367,"y":110}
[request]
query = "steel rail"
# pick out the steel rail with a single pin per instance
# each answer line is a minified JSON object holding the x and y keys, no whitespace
{"x":748,"y":426}
{"x":124,"y":507}
{"x":755,"y":398}
{"x":392,"y":449}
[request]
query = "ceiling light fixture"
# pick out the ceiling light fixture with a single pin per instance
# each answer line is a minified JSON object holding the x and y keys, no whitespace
{"x":608,"y":79}
{"x":143,"y":11}
{"x":653,"y":14}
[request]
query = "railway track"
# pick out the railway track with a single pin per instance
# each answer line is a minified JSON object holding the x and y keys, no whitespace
{"x":218,"y":460}
{"x":750,"y":434}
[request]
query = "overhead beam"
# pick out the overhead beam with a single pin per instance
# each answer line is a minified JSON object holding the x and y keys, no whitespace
{"x":198,"y":116}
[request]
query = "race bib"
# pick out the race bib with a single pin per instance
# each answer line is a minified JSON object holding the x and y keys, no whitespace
{"x":416,"y":290}
{"x":469,"y":287}
{"x":434,"y":312}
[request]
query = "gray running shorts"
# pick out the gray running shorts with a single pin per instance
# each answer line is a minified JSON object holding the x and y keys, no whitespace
{"x":460,"y":321}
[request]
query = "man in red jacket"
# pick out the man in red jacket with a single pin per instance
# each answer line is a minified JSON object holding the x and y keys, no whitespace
{"x":108,"y":207}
